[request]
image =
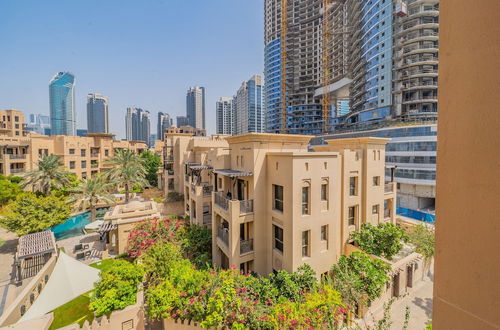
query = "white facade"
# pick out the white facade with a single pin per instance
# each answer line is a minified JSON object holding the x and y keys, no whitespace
{"x":224,"y":113}
{"x":248,"y":113}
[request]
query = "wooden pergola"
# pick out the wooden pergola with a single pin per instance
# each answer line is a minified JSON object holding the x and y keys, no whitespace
{"x":33,"y":252}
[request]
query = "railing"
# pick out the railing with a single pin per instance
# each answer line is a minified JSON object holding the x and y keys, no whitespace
{"x":170,"y":172}
{"x":170,"y":187}
{"x":246,"y":246}
{"x":93,"y":155}
{"x":387,"y":213}
{"x":193,"y":187}
{"x":18,"y":156}
{"x":94,"y":165}
{"x":246,"y":206}
{"x":16,"y":170}
{"x":169,"y":158}
{"x":221,"y":200}
{"x":207,"y":189}
{"x":389,"y":187}
{"x":207,"y":219}
{"x":186,"y":177}
{"x":223,"y":234}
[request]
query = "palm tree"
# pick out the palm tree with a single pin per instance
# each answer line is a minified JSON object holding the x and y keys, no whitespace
{"x":128,"y":170}
{"x":90,"y":192}
{"x":49,"y":174}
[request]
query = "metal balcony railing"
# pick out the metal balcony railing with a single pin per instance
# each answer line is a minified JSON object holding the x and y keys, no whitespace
{"x":207,"y":219}
{"x":246,"y":206}
{"x":93,"y":155}
{"x":389,"y":187}
{"x":387,"y":213}
{"x":94,"y":165}
{"x":170,"y":172}
{"x":223,"y":234}
{"x":246,"y":245}
{"x":221,"y":200}
{"x":18,"y":156}
{"x":17,"y":170}
{"x":207,"y":189}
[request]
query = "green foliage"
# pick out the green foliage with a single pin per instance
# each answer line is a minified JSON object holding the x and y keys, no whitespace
{"x":422,"y":236}
{"x":89,"y":193}
{"x":384,"y":240}
{"x":198,"y":245}
{"x":174,"y":196}
{"x":117,"y":287}
{"x":66,"y":190}
{"x":8,"y":190}
{"x":15,"y":179}
{"x":152,"y":162}
{"x":49,"y":175}
{"x":128,"y":171}
{"x":74,"y":311}
{"x":29,"y":213}
{"x":292,"y":286}
{"x":360,"y":278}
{"x":428,"y":326}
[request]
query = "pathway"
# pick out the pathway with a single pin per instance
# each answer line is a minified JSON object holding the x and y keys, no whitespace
{"x":7,"y":253}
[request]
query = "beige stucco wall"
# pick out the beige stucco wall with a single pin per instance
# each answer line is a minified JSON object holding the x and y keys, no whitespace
{"x":467,"y":263}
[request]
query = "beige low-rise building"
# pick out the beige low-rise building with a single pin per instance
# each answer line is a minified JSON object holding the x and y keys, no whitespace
{"x":82,"y":156}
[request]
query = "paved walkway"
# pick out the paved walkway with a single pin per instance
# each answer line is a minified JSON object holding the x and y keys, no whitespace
{"x":7,"y":253}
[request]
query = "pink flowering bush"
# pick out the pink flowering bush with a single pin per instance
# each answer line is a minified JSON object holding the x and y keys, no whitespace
{"x":149,"y":232}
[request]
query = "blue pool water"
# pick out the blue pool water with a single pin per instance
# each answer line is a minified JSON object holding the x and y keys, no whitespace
{"x":73,"y":226}
{"x":417,"y":215}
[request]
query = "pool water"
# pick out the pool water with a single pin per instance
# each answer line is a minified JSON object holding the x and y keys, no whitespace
{"x":74,"y":226}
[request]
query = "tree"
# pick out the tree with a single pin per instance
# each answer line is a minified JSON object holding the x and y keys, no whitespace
{"x":198,"y":245}
{"x":152,"y":163}
{"x":8,"y":190}
{"x":128,"y":170}
{"x":422,"y":236}
{"x":90,"y":192}
{"x":360,"y":278}
{"x":384,"y":240}
{"x":117,"y":287}
{"x":29,"y":213}
{"x":49,"y":174}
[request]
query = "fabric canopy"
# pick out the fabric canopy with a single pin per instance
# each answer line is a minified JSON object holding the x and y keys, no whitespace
{"x":69,"y":279}
{"x":233,"y":173}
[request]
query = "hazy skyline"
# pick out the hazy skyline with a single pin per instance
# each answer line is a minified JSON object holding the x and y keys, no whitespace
{"x":139,"y":54}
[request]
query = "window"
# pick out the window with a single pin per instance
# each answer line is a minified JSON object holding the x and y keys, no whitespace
{"x":351,"y":216}
{"x":278,"y":238}
{"x":353,"y":186}
{"x":376,"y":181}
{"x":375,"y":209}
{"x":16,"y":118}
{"x":71,"y":151}
{"x":324,"y":233}
{"x":106,"y":152}
{"x":83,"y":152}
{"x":305,"y":200}
{"x":220,"y":183}
{"x":278,"y":197}
{"x":324,"y":191}
{"x":72,"y":164}
{"x":305,"y":243}
{"x":84,"y":164}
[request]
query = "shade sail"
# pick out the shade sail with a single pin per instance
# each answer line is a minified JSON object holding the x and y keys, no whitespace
{"x":233,"y":173}
{"x":69,"y":279}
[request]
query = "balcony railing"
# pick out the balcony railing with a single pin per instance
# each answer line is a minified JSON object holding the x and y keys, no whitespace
{"x":169,"y":158}
{"x":223,"y":234}
{"x":170,"y":187}
{"x":387,"y":213}
{"x":246,"y":206}
{"x":207,"y":189}
{"x":246,"y":246}
{"x":18,"y":156}
{"x":17,"y":170}
{"x":221,"y":200}
{"x":94,"y":155}
{"x":186,"y":177}
{"x":207,"y":219}
{"x":94,"y":165}
{"x":170,"y":172}
{"x":389,"y":187}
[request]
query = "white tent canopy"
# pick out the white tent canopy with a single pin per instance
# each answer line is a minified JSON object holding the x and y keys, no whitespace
{"x":69,"y":279}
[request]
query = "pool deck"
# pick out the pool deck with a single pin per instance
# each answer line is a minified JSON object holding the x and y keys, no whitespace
{"x":96,"y":247}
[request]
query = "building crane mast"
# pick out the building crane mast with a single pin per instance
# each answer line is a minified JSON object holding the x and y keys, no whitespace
{"x":284,"y":30}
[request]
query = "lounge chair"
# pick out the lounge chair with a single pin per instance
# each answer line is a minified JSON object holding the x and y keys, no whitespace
{"x":80,"y":256}
{"x":78,"y":247}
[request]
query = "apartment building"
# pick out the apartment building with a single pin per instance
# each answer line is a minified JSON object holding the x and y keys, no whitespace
{"x":82,"y":156}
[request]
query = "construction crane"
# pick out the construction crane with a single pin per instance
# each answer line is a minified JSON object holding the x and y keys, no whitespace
{"x":284,"y":30}
{"x":326,"y":65}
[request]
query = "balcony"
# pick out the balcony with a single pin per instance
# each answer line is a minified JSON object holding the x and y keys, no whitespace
{"x":18,"y":156}
{"x":387,"y":213}
{"x":16,"y":170}
{"x":221,"y":200}
{"x":223,"y":235}
{"x":169,"y":159}
{"x":94,"y":155}
{"x":246,"y":206}
{"x":207,"y":219}
{"x":246,"y":246}
{"x":389,"y":188}
{"x":94,"y":165}
{"x":170,"y":172}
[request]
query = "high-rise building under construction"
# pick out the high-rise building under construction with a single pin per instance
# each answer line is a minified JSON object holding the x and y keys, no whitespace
{"x":381,"y":55}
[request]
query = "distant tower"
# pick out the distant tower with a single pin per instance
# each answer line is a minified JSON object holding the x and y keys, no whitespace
{"x":248,"y":111}
{"x":62,"y":104}
{"x":164,"y":122}
{"x":97,"y":114}
{"x":138,"y":125}
{"x":182,"y":121}
{"x":224,"y":115}
{"x":195,"y":107}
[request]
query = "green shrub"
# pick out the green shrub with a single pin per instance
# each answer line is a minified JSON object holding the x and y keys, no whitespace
{"x":384,"y":240}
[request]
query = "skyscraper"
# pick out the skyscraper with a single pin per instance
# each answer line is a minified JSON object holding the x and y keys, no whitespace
{"x":164,"y":122}
{"x":97,"y":114}
{"x":39,"y":123}
{"x":195,"y":107}
{"x":62,"y":104}
{"x":182,"y":121}
{"x":248,"y":113}
{"x":224,"y":115}
{"x":138,"y":125}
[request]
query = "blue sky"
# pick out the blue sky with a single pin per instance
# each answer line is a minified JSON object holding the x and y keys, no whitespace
{"x":140,"y":53}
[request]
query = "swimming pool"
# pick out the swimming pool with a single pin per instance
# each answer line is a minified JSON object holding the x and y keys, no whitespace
{"x":74,"y":226}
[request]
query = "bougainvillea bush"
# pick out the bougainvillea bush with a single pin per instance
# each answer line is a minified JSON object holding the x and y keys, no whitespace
{"x":230,"y":299}
{"x":150,"y":232}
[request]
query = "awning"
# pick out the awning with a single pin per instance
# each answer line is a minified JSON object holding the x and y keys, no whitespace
{"x":192,"y":163}
{"x":233,"y":173}
{"x":106,"y":227}
{"x":36,"y":244}
{"x":201,"y":167}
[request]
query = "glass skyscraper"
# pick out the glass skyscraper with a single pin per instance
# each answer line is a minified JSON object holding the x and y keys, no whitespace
{"x":195,"y":107}
{"x":138,"y":125}
{"x":62,"y":104}
{"x":97,"y":114}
